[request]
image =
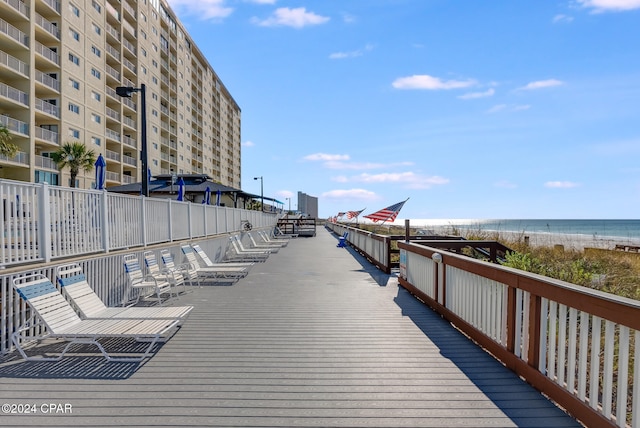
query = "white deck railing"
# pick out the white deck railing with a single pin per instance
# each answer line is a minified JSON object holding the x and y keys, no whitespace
{"x":41,"y":223}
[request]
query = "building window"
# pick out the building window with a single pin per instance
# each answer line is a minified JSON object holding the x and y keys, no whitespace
{"x":96,"y":96}
{"x":47,"y":177}
{"x":96,"y":6}
{"x":74,"y":34}
{"x":95,"y":118}
{"x":74,"y":84}
{"x":97,"y":29}
{"x":74,"y":59}
{"x":74,"y":133}
{"x":74,"y":9}
{"x":95,"y":140}
{"x":95,"y":73}
{"x":96,"y":51}
{"x":74,"y":108}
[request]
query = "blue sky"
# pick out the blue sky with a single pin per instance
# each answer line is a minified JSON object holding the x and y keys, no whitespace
{"x":472,"y":109}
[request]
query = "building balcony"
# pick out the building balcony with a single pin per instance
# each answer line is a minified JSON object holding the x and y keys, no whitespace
{"x":14,"y":64}
{"x":15,"y":34}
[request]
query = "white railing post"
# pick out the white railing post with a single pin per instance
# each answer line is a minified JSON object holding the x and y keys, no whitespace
{"x":190,"y":221}
{"x":143,"y":217}
{"x":104,"y":221}
{"x":44,"y":220}
{"x":170,"y":223}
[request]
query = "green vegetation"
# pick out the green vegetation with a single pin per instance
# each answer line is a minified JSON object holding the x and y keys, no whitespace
{"x":76,"y":157}
{"x":7,"y":148}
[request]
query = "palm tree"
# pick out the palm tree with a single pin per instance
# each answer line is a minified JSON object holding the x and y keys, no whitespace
{"x":75,"y":156}
{"x":7,"y":148}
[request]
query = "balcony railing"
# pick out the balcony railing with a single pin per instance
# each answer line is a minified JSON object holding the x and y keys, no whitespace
{"x":47,"y":53}
{"x":20,"y":157}
{"x":110,"y":133}
{"x":47,"y":80}
{"x":14,"y":125}
{"x":13,"y":32}
{"x":14,"y":63}
{"x":19,"y":6}
{"x":46,"y":135}
{"x":110,"y":154}
{"x":45,"y":162}
{"x":47,"y":107}
{"x":14,"y":94}
{"x":48,"y":26}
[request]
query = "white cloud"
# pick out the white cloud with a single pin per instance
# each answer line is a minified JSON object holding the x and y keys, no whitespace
{"x":351,"y":194}
{"x":248,"y":144}
{"x":262,"y":1}
{"x":287,"y":17}
{"x":562,"y":18}
{"x":561,"y":184}
{"x":340,"y":179}
{"x":424,"y":81}
{"x":205,"y":9}
{"x":521,"y":107}
{"x":409,"y":179}
{"x":326,"y":157}
{"x":610,"y":5}
{"x":539,"y":84}
{"x":473,"y":95}
{"x":351,"y":54}
{"x":283,"y":194}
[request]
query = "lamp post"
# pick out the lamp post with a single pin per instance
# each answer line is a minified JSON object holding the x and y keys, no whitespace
{"x":261,"y":192}
{"x":289,"y":210}
{"x":126,"y":91}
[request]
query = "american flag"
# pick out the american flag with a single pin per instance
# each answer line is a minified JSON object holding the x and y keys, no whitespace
{"x":341,"y":214}
{"x":386,"y":214}
{"x":352,"y":214}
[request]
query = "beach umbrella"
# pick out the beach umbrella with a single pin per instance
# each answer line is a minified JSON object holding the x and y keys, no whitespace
{"x":218,"y":197}
{"x":180,"y":189}
{"x":101,"y":172}
{"x":207,"y":196}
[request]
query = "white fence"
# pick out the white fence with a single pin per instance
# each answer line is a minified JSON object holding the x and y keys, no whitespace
{"x":41,"y":223}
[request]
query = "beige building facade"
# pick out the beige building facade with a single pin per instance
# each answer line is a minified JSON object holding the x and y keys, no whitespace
{"x":60,"y":64}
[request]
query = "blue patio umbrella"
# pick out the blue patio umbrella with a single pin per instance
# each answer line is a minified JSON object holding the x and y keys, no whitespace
{"x":101,"y":172}
{"x":180,"y":189}
{"x":218,"y":197}
{"x":207,"y":196}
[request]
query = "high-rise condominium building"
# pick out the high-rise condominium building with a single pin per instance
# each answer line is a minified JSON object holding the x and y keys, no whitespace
{"x":60,"y":64}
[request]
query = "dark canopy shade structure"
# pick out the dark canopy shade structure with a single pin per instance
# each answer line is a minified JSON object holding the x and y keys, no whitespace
{"x":195,"y":189}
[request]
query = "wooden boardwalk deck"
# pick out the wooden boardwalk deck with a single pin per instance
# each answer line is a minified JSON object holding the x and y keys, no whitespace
{"x":313,"y":337}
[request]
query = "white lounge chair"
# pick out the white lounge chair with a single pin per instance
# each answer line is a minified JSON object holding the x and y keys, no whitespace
{"x":188,"y":273}
{"x":217,"y":273}
{"x":74,"y":285}
{"x":263,"y":245}
{"x":266,"y":238}
{"x":174,"y":277}
{"x":49,"y":308}
{"x":141,"y":282}
{"x":240,"y":253}
{"x":210,"y":264}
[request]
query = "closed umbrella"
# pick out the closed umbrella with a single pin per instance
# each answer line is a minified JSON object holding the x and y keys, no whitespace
{"x":218,"y":197}
{"x":101,"y":172}
{"x":180,"y":189}
{"x":207,"y":196}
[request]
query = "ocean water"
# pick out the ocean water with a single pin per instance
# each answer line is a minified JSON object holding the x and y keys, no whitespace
{"x":629,"y":229}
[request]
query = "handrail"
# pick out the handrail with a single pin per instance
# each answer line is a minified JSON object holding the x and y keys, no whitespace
{"x":544,"y":329}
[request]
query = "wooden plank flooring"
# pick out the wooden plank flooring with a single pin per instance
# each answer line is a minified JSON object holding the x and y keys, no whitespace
{"x":314,"y":337}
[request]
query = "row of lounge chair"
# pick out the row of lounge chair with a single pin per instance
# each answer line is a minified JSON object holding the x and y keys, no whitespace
{"x":76,"y":314}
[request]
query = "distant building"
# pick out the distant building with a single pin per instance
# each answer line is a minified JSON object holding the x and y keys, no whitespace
{"x":308,"y":205}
